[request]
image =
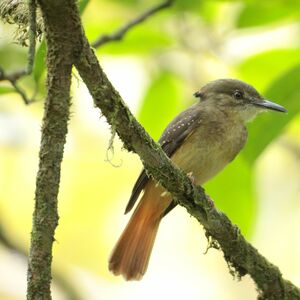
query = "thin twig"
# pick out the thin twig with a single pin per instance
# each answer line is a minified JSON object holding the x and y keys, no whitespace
{"x":119,"y":33}
{"x":31,"y":34}
{"x":21,"y":92}
{"x":13,"y":79}
{"x":15,"y":76}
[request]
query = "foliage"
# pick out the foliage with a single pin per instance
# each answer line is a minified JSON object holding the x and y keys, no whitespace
{"x":264,"y":70}
{"x":180,"y":49}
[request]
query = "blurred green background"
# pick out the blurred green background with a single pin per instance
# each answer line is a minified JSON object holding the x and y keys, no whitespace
{"x":157,"y":67}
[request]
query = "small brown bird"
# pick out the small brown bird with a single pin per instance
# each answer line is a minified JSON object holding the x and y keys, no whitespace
{"x":201,"y":140}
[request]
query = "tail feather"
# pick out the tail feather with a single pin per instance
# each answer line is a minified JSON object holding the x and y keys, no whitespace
{"x":130,"y":256}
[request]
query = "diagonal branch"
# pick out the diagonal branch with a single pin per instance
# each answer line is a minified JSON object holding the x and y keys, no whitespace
{"x":13,"y":80}
{"x":239,"y":254}
{"x":120,"y":33}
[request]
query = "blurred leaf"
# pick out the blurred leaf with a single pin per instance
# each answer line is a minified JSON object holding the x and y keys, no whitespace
{"x":138,"y":41}
{"x":82,"y":5}
{"x":265,"y":67}
{"x":6,"y":90}
{"x":286,"y":91}
{"x":264,"y":12}
{"x":188,"y":5}
{"x":141,"y":39}
{"x":232,"y":190}
{"x":39,"y":62}
{"x":129,"y":2}
{"x":12,"y":57}
{"x":209,"y":11}
{"x":162,"y":102}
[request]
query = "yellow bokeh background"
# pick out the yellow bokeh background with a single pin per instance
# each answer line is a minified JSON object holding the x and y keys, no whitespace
{"x":96,"y":181}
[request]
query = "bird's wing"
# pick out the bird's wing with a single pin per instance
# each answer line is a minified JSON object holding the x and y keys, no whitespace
{"x":171,"y":139}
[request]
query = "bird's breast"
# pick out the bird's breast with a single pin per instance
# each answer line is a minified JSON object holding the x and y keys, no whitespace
{"x":207,"y":150}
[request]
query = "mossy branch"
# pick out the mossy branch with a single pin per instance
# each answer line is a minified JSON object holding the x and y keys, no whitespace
{"x":239,"y":254}
{"x":63,"y":47}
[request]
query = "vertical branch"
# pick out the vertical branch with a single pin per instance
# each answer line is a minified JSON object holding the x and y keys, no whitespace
{"x":62,"y":26}
{"x":45,"y":217}
{"x":31,"y":34}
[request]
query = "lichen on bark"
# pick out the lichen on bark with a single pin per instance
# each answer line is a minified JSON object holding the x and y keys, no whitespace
{"x":63,"y":47}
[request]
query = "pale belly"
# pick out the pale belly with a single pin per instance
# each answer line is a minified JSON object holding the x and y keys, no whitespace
{"x":205,"y":156}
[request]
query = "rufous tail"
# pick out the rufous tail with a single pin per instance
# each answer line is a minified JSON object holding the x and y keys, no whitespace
{"x":131,"y":254}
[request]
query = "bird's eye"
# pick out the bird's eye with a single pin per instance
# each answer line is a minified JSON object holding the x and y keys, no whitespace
{"x":238,"y":95}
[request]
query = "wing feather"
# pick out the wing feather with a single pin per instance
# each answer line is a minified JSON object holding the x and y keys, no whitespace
{"x":172,"y":138}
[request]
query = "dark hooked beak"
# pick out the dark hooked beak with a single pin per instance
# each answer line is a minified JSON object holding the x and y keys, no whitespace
{"x":269,"y":105}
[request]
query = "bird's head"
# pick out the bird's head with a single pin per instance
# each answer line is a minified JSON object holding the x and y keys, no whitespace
{"x":236,"y":97}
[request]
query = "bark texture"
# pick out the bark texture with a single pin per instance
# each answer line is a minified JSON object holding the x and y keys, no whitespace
{"x":61,"y":26}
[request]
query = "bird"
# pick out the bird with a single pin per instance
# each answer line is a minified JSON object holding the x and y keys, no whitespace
{"x":201,"y":141}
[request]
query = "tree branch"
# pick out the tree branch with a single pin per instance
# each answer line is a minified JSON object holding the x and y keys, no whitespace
{"x":14,"y":77}
{"x":120,"y":33}
{"x":63,"y":36}
{"x":31,"y":34}
{"x":240,"y":255}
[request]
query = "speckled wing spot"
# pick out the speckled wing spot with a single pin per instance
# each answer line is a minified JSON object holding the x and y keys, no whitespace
{"x":172,"y":138}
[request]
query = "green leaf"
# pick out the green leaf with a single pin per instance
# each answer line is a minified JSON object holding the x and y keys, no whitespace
{"x":82,"y":5}
{"x":138,"y":43}
{"x":12,"y":57}
{"x":264,"y":67}
{"x":286,"y":91}
{"x":144,"y":38}
{"x":128,"y":2}
{"x":264,"y":12}
{"x":232,"y":191}
{"x":6,"y":90}
{"x":162,"y":102}
{"x":39,"y":62}
{"x":188,"y":5}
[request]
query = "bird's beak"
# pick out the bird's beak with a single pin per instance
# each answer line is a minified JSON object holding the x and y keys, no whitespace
{"x":269,"y":105}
